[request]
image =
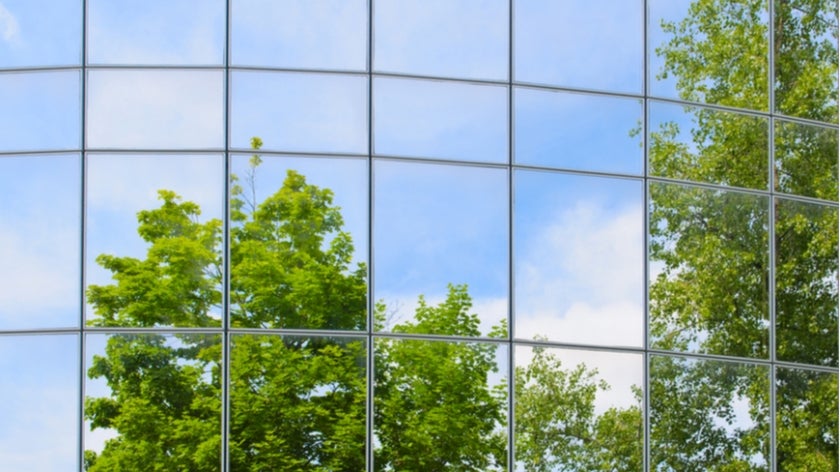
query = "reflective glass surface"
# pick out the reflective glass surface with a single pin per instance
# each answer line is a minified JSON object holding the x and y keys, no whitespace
{"x":591,"y":45}
{"x":300,"y":112}
{"x":805,"y":72}
{"x":706,"y":145}
{"x":155,"y":109}
{"x":439,"y":226}
{"x":39,"y":402}
{"x":298,"y":243}
{"x":578,"y":131}
{"x":440,"y":120}
{"x":806,"y":160}
{"x":466,"y":39}
{"x":323,"y":34}
{"x":708,"y":415}
{"x":806,"y":429}
{"x":578,"y":259}
{"x":438,"y":405}
{"x":806,"y":282}
{"x":153,"y":399}
{"x":709,"y":263}
{"x":156,"y":32}
{"x":40,"y":241}
{"x":154,"y":255}
{"x":578,"y":410}
{"x":40,"y":33}
{"x":710,"y":52}
{"x":41,"y":110}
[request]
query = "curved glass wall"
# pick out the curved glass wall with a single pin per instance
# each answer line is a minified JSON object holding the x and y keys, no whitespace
{"x":374,"y":235}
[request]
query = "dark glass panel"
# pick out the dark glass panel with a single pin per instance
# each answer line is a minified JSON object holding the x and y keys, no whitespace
{"x":806,"y":420}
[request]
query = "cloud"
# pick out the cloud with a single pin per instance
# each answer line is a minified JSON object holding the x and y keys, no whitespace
{"x":9,"y":29}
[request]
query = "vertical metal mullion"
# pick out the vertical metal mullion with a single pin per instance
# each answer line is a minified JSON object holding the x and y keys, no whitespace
{"x":369,"y":408}
{"x":225,"y":337}
{"x":646,"y":466}
{"x":771,"y":264}
{"x":511,"y":367}
{"x":83,"y":238}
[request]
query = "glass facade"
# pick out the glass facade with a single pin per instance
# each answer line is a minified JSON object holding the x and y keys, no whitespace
{"x":419,"y":235}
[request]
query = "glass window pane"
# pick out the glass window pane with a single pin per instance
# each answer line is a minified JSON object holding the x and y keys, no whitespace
{"x":805,"y":73}
{"x":153,"y":399}
{"x":440,"y":405}
{"x":325,"y":34}
{"x":41,"y":111}
{"x":442,"y":38}
{"x":577,"y":131}
{"x":578,"y":410}
{"x":300,"y":112}
{"x":579,"y":259}
{"x":39,"y":402}
{"x":155,"y":109}
{"x":557,"y":44}
{"x":440,"y":120}
{"x":439,"y":226}
{"x":806,"y":160}
{"x":299,"y":243}
{"x":297,"y":401}
{"x":710,"y":54}
{"x":156,"y":32}
{"x":806,"y":423}
{"x":40,"y":33}
{"x":40,"y":241}
{"x":708,"y":415}
{"x":806,"y":282}
{"x":709,"y":258}
{"x":705,"y":145}
{"x":154,"y":240}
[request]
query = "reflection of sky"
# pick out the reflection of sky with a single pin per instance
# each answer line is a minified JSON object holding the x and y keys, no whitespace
{"x":40,"y":110}
{"x":39,"y":241}
{"x":29,"y":36}
{"x":577,"y":131}
{"x":436,"y":119}
{"x":40,"y":406}
{"x":579,"y":258}
{"x":467,"y":38}
{"x":590,"y":45}
{"x":439,"y":224}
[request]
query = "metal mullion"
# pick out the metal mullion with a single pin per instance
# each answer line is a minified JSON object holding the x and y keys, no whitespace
{"x":511,"y":357}
{"x":371,"y":306}
{"x":646,"y":361}
{"x":83,"y":238}
{"x":226,"y":336}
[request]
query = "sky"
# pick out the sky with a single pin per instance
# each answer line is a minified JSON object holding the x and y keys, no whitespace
{"x":433,"y":223}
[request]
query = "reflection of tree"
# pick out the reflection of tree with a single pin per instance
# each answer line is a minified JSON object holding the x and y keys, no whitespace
{"x":712,"y":293}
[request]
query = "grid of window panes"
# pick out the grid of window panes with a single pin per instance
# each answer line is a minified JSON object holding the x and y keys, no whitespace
{"x":402,"y":235}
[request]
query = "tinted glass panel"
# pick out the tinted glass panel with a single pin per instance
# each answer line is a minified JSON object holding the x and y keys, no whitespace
{"x":40,"y":242}
{"x":299,"y":243}
{"x":154,"y":240}
{"x":155,"y":109}
{"x":41,"y":111}
{"x":806,"y":59}
{"x":439,"y":226}
{"x":156,"y":32}
{"x":300,"y":112}
{"x":806,"y":282}
{"x":442,"y":38}
{"x":296,"y":401}
{"x":578,"y":410}
{"x":579,"y":259}
{"x":153,"y":399}
{"x":327,"y":34}
{"x":40,"y":402}
{"x":557,"y":43}
{"x":577,"y":131}
{"x":436,"y":119}
{"x":710,"y":53}
{"x":439,"y":405}
{"x":806,"y":160}
{"x":708,"y":271}
{"x":705,"y":145}
{"x":29,"y":37}
{"x":708,"y":415}
{"x":806,"y":426}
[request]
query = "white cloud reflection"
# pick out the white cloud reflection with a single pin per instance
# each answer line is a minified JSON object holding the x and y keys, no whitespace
{"x":9,"y":29}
